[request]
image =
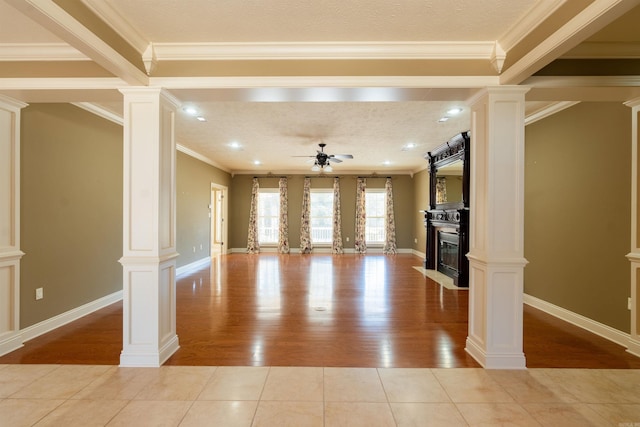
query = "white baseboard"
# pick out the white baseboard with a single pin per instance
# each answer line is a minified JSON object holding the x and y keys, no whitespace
{"x":600,"y":329}
{"x":196,"y":265}
{"x":62,"y":319}
{"x":10,"y":342}
{"x":419,"y":254}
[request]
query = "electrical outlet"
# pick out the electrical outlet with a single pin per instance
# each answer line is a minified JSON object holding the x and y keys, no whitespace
{"x":347,"y":239}
{"x":194,"y":249}
{"x":629,"y":303}
{"x":39,"y":293}
{"x":201,"y":246}
{"x":415,"y":240}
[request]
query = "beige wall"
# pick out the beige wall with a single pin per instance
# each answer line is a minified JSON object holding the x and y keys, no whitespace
{"x":421,"y":197}
{"x":404,"y":206}
{"x":193,"y":196}
{"x":71,"y":209}
{"x":577,"y":211}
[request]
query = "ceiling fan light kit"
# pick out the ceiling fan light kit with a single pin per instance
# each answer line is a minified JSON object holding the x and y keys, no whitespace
{"x":322,"y":162}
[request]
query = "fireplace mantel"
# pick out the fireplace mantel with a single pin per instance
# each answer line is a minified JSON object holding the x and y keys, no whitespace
{"x":451,"y":218}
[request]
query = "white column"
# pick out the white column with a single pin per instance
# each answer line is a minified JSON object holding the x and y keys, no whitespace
{"x":149,"y":230}
{"x":634,"y":256}
{"x":496,"y":247}
{"x":10,"y":253}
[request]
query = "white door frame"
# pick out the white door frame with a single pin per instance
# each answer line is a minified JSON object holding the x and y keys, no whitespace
{"x":225,"y":214}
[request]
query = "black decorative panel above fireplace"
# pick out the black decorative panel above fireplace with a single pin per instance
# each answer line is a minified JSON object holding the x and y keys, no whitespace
{"x":447,"y":219}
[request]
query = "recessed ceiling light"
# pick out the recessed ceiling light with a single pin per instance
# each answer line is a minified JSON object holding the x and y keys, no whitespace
{"x":256,"y":162}
{"x":234,"y":144}
{"x":411,"y":145}
{"x":443,"y":119}
{"x":454,"y":111}
{"x":386,"y":163}
{"x":201,"y":119}
{"x":192,"y":111}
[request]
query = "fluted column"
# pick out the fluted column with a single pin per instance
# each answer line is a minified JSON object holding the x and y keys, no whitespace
{"x":496,"y":250}
{"x":634,"y":256}
{"x":149,"y":228}
{"x":10,"y":253}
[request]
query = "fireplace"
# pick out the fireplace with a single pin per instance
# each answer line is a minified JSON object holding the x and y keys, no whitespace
{"x":447,"y":219}
{"x":448,"y":256}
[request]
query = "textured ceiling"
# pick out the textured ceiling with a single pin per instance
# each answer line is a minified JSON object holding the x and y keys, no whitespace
{"x":377,"y":134}
{"x":277,"y":77}
{"x":321,"y":21}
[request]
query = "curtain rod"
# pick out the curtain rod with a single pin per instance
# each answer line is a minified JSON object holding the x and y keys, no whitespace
{"x":321,"y":176}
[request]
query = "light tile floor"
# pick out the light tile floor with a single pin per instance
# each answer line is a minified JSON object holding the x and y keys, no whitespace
{"x":63,"y":395}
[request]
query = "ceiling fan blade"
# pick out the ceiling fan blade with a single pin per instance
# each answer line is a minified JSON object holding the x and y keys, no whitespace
{"x":335,"y":160}
{"x":305,"y":156}
{"x":343,"y":156}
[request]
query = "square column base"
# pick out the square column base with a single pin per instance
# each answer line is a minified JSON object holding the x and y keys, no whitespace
{"x":132,"y":359}
{"x":495,"y":361}
{"x":149,"y":311}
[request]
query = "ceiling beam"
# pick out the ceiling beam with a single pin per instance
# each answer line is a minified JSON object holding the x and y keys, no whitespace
{"x":59,"y":22}
{"x":592,"y":19}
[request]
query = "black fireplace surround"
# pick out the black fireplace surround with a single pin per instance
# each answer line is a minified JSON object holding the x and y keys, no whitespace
{"x":447,"y":223}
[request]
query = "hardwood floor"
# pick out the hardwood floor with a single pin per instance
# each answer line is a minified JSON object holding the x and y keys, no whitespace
{"x":320,"y":310}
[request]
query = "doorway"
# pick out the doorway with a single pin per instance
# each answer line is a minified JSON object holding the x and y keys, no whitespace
{"x":218,"y":215}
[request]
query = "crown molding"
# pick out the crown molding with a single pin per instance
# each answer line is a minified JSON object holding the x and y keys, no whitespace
{"x":118,"y":23}
{"x":582,"y":81}
{"x":61,"y":83}
{"x":521,"y":28}
{"x":590,"y":20}
{"x":118,"y":119}
{"x":633,"y":103}
{"x":55,"y":19}
{"x":6,"y":101}
{"x":100,"y":112}
{"x":321,"y":50}
{"x":198,"y":156}
{"x":549,"y":110}
{"x":447,"y":82}
{"x":40,"y":52}
{"x":604,"y":50}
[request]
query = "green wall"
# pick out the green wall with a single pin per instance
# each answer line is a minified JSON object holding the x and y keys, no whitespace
{"x":71,"y":209}
{"x":404,"y":206}
{"x":577,"y":211}
{"x":193,"y":196}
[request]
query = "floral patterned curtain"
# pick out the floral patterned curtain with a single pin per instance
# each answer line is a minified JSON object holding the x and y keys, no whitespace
{"x":390,"y":222}
{"x":336,"y":246}
{"x":305,"y":222}
{"x":441,"y":190}
{"x":361,"y":217}
{"x":283,"y":229}
{"x":253,"y":247}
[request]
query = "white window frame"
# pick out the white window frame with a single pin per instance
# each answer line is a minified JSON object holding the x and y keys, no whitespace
{"x":368,"y":233}
{"x":261,"y":229}
{"x":317,"y":191}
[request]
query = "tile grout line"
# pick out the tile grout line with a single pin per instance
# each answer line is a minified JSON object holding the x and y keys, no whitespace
{"x":455,"y":405}
{"x":384,"y":390}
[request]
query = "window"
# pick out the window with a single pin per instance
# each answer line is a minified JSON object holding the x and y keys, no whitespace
{"x":321,"y":216}
{"x":268,"y":216}
{"x":375,"y":207}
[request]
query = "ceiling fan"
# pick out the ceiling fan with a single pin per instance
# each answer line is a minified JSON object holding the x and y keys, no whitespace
{"x":322,"y":160}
